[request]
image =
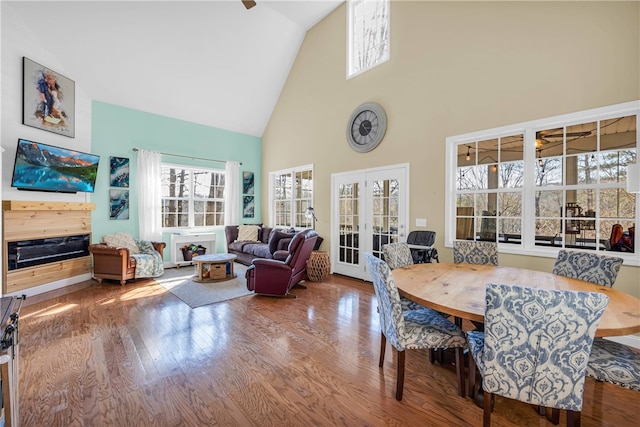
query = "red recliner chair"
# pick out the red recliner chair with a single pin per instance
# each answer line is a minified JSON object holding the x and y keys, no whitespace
{"x":275,"y":278}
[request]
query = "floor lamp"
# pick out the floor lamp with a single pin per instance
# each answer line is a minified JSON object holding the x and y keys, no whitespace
{"x":310,"y":213}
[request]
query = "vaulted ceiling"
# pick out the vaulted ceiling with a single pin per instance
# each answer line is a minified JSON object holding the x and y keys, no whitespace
{"x":209,"y":62}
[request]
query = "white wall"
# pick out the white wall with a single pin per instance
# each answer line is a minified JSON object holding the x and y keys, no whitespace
{"x":18,"y":41}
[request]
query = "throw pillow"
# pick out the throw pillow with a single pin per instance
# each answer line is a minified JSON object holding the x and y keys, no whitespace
{"x":121,"y":240}
{"x":248,"y":233}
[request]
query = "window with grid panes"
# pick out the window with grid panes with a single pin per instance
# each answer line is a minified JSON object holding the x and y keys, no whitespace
{"x":192,"y":197}
{"x":552,"y":183}
{"x":368,"y":35}
{"x":291,"y":195}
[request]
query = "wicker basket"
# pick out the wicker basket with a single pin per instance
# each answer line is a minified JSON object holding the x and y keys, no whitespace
{"x":318,"y":266}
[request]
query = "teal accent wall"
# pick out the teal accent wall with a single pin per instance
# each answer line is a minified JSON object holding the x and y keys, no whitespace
{"x":116,"y":130}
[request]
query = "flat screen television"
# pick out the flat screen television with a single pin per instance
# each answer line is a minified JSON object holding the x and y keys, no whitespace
{"x":42,"y":167}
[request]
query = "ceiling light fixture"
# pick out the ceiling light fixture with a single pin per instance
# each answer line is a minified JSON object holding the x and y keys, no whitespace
{"x":539,"y":150}
{"x":468,"y":154}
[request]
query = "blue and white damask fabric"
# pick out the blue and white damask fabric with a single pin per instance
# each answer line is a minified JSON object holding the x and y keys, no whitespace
{"x":475,"y":252}
{"x":475,"y":341}
{"x":398,"y":255}
{"x":148,"y":262}
{"x":424,"y":328}
{"x":537,"y":343}
{"x":614,"y":363}
{"x":588,"y":266}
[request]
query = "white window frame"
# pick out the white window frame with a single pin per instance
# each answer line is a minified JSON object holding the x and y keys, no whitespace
{"x":375,"y":29}
{"x":529,"y":129}
{"x":190,"y":199}
{"x":296,"y":202}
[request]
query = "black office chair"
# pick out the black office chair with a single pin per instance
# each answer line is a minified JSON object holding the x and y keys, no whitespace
{"x":426,"y":252}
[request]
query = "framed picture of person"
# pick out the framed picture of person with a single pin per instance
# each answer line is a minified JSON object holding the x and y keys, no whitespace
{"x":48,"y":99}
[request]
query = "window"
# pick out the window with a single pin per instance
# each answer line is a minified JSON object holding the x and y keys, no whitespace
{"x":192,"y":197}
{"x":368,"y":30}
{"x":553,"y":183}
{"x":291,"y":194}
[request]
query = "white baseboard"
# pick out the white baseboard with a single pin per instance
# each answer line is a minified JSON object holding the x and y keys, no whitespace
{"x":52,"y":286}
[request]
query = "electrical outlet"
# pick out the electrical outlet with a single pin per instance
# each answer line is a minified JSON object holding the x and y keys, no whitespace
{"x":421,"y":222}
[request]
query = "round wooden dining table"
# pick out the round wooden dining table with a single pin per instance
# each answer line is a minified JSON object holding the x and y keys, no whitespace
{"x":459,"y":290}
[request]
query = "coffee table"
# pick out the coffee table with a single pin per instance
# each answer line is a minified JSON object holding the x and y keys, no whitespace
{"x":214,"y":267}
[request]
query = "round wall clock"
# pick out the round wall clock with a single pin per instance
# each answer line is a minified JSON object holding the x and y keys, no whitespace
{"x":366,"y":127}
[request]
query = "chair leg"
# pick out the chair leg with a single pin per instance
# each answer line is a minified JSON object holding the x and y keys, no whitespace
{"x":472,"y":377}
{"x":460,"y":370}
{"x":383,"y":346}
{"x":555,"y":416}
{"x":573,"y":418}
{"x":400,"y":375}
{"x":486,"y":415}
{"x":432,"y":355}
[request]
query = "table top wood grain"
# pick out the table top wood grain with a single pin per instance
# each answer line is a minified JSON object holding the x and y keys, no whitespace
{"x":459,"y":290}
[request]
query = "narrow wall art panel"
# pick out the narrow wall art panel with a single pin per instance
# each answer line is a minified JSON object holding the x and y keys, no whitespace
{"x":119,"y":172}
{"x":119,"y":204}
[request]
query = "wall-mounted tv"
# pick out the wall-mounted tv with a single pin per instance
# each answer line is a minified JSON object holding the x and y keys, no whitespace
{"x":43,"y":167}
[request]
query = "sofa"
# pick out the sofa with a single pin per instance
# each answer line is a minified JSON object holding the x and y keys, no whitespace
{"x":248,"y":242}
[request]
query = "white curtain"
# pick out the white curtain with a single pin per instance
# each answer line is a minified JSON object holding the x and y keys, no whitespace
{"x":232,"y":193}
{"x":149,"y":195}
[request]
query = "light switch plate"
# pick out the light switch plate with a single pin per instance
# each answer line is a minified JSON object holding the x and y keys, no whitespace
{"x":421,"y":222}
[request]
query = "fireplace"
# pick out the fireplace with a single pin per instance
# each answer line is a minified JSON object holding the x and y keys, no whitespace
{"x":27,"y":253}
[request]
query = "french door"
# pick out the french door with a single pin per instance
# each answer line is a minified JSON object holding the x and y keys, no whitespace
{"x":369,"y":209}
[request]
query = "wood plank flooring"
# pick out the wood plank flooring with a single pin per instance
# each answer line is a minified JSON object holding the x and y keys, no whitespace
{"x":108,"y":355}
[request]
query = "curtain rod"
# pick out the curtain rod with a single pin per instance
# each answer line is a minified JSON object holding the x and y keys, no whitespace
{"x":190,"y":157}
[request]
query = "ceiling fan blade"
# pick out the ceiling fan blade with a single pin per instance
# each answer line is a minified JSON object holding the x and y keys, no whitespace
{"x":248,"y":3}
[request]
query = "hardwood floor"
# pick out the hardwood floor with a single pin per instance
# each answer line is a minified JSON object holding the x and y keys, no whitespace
{"x":138,"y":356}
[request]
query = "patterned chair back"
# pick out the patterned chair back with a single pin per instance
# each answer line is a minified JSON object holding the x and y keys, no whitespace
{"x":475,"y":252}
{"x":389,"y":306}
{"x":397,"y":255}
{"x":537,"y":343}
{"x":588,"y":266}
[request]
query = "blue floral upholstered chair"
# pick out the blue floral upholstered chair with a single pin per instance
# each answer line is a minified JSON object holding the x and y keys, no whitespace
{"x":398,"y":255}
{"x":609,"y":361}
{"x":475,"y":252}
{"x":411,"y":329}
{"x":588,"y":266}
{"x":535,"y":347}
{"x":614,"y":363}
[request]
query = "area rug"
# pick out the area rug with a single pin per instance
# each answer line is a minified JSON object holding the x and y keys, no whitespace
{"x":179,"y":282}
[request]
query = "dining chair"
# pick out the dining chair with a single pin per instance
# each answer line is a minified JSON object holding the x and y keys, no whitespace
{"x":411,"y":329}
{"x":535,"y":346}
{"x":614,"y":363}
{"x":475,"y":252}
{"x":398,"y":255}
{"x":587,"y":266}
{"x":609,"y":361}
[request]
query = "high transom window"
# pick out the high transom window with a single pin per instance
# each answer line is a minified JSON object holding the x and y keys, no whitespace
{"x":291,"y":195}
{"x":368,"y":35}
{"x":553,"y":183}
{"x":192,"y":197}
